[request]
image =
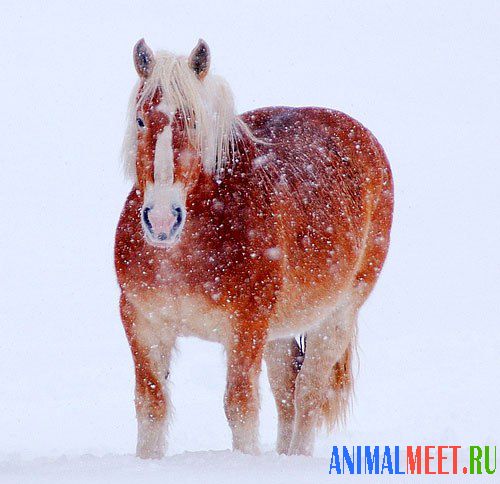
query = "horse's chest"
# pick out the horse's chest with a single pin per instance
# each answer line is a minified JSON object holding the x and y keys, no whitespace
{"x":169,"y":314}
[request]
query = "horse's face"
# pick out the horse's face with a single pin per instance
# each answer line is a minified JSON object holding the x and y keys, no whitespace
{"x":167,"y":164}
{"x":168,"y":167}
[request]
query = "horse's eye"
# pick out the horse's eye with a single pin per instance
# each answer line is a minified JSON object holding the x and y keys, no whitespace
{"x":140,"y":122}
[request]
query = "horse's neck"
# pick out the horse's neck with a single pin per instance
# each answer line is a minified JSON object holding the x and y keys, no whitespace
{"x":233,"y":177}
{"x":241,"y":157}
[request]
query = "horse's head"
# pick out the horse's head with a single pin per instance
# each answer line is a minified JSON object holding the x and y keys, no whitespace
{"x":169,"y":116}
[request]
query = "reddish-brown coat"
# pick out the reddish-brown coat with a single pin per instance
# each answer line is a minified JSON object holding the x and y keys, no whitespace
{"x":303,"y":218}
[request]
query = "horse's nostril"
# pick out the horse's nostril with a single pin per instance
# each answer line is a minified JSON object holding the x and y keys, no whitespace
{"x":178,"y":214}
{"x":145,"y":216}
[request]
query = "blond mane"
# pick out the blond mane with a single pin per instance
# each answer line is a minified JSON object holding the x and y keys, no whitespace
{"x":210,"y":102}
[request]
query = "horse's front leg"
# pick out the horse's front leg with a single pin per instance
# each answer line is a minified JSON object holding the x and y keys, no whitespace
{"x":241,"y":401}
{"x":151,"y":354}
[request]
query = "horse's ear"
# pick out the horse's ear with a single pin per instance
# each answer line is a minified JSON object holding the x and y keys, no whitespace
{"x":144,"y":59}
{"x":199,"y":60}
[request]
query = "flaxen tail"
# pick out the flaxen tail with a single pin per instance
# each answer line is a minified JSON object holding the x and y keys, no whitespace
{"x":338,"y":398}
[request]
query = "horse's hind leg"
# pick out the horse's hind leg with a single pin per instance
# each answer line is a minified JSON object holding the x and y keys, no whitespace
{"x":151,"y":356}
{"x":282,"y":358}
{"x":323,"y":384}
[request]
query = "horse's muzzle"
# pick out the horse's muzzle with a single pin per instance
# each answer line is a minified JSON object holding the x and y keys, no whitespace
{"x":162,"y":228}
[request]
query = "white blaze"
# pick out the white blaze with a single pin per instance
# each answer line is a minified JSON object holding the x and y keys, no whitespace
{"x":163,"y":197}
{"x":164,"y":158}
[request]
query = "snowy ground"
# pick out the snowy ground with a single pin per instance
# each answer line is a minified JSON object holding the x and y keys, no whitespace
{"x":423,"y":76}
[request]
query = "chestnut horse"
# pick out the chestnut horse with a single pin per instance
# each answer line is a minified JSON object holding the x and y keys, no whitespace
{"x":246,"y":230}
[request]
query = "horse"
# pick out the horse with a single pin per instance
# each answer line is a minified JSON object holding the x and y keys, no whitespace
{"x":246,"y":230}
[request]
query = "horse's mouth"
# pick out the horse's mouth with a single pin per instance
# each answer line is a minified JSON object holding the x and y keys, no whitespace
{"x":161,"y":241}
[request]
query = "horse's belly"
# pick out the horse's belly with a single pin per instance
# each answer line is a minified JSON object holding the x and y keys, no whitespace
{"x":299,"y":310}
{"x":292,"y":322}
{"x":165,"y":314}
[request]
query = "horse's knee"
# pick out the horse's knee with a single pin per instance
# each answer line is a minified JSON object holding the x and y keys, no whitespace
{"x":240,"y":396}
{"x":151,"y":401}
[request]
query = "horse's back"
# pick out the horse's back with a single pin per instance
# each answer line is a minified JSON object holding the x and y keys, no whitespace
{"x":304,"y":137}
{"x":324,"y":160}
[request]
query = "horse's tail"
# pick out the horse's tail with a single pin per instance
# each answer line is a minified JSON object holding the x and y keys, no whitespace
{"x":338,"y":397}
{"x":337,"y":400}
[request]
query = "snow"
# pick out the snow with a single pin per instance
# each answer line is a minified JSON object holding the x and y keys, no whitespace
{"x":273,"y":253}
{"x":423,"y":77}
{"x":189,"y":467}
